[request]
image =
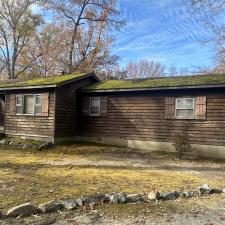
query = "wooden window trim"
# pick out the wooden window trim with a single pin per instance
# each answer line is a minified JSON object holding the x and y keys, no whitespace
{"x":193,"y":109}
{"x":90,"y":105}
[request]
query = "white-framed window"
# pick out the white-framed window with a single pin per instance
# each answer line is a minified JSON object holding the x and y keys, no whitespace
{"x":28,"y":104}
{"x":95,"y":106}
{"x":185,"y":108}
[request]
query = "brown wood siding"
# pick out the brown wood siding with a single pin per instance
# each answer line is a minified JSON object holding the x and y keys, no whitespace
{"x":142,"y":117}
{"x":30,"y":125}
{"x":2,"y":112}
{"x":66,"y":108}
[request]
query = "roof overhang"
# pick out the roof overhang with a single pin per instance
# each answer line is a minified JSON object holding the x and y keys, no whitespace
{"x":76,"y":79}
{"x":154,"y":89}
{"x":28,"y":87}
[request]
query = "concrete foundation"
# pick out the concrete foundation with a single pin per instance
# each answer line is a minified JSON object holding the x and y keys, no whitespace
{"x":197,"y":151}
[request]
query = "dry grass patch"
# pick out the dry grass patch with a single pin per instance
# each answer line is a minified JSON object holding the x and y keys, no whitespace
{"x":25,"y":176}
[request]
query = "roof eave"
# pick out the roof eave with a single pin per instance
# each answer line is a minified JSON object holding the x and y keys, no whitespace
{"x":51,"y":85}
{"x":153,"y":89}
{"x":28,"y":87}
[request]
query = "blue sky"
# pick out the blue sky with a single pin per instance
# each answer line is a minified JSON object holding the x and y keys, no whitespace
{"x":164,"y":30}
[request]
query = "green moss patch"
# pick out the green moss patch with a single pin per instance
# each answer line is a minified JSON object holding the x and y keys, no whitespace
{"x":41,"y":81}
{"x":183,"y":81}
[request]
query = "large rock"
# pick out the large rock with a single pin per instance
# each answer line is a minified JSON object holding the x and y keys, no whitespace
{"x":118,"y":198}
{"x":169,"y":196}
{"x":51,"y":206}
{"x":69,"y":204}
{"x":154,"y":195}
{"x":22,"y":210}
{"x":92,"y":199}
{"x":204,"y":189}
{"x":135,"y":198}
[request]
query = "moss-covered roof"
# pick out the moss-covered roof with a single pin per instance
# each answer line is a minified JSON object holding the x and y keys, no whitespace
{"x":54,"y":80}
{"x":181,"y":81}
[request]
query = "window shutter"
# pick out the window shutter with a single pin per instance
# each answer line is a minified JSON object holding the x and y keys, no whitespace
{"x":200,"y":108}
{"x":104,"y":105}
{"x":45,"y":104}
{"x":170,"y":107}
{"x":85,"y":106}
{"x":12,"y":104}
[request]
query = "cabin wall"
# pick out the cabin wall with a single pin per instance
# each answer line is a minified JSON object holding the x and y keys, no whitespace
{"x":66,"y":110}
{"x":138,"y":120}
{"x":35,"y":127}
{"x":2,"y":112}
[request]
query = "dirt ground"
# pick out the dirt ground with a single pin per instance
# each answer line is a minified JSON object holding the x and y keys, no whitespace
{"x":69,"y":171}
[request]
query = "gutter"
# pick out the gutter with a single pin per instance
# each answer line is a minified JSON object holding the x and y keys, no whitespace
{"x":152,"y":89}
{"x":28,"y":87}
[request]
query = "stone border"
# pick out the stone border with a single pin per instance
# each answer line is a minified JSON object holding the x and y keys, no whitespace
{"x":23,"y":145}
{"x":91,"y":201}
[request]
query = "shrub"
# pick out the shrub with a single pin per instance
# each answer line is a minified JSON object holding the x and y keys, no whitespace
{"x":181,"y":144}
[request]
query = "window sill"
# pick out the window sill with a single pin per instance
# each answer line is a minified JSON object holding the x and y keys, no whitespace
{"x":181,"y":118}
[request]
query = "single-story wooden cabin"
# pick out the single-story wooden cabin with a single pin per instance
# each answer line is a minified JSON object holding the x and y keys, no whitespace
{"x":43,"y":108}
{"x":143,"y":113}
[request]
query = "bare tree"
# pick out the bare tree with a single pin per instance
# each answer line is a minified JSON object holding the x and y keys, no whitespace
{"x":17,"y":24}
{"x":172,"y":71}
{"x":78,"y":14}
{"x":213,"y":6}
{"x":144,"y":69}
{"x":216,"y":24}
{"x":46,"y":50}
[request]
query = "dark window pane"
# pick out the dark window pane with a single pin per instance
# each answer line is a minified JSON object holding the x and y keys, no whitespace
{"x":38,"y":110}
{"x":19,"y":109}
{"x":95,"y":106}
{"x":38,"y":99}
{"x":19,"y":100}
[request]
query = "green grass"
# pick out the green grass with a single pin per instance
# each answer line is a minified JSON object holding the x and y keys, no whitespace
{"x":159,"y":82}
{"x":41,"y":81}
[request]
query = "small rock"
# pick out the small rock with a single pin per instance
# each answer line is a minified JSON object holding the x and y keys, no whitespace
{"x":22,"y":210}
{"x":45,"y":145}
{"x":154,"y":195}
{"x":10,"y":143}
{"x":204,"y":189}
{"x":216,"y":191}
{"x":118,"y":198}
{"x":1,"y":215}
{"x":92,"y":199}
{"x":69,"y":204}
{"x":51,"y":206}
{"x":3,"y":142}
{"x":135,"y":198}
{"x":169,"y":196}
{"x":188,"y":194}
{"x":223,"y":190}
